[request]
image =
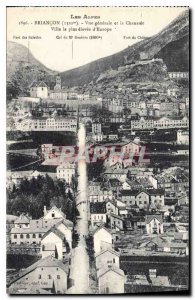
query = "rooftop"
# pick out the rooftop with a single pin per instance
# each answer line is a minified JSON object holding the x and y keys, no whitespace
{"x":98,"y":208}
{"x":149,"y":218}
{"x":104,"y":270}
{"x":108,"y":250}
{"x":38,"y":84}
{"x":46,"y":262}
{"x":56,"y":232}
{"x":22,"y":219}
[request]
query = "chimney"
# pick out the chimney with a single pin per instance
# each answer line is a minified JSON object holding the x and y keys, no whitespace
{"x":152,"y":273}
{"x":44,"y":210}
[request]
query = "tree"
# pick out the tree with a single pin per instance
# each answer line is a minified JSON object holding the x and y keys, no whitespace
{"x":12,"y":89}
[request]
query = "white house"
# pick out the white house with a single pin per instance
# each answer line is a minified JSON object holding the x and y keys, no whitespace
{"x":39,"y":89}
{"x":56,"y":238}
{"x":47,"y":274}
{"x":182,"y":137}
{"x":66,"y":171}
{"x":107,"y":258}
{"x":154,"y":224}
{"x":111,"y":207}
{"x":53,"y":213}
{"x":111,"y":280}
{"x":98,"y":213}
{"x":66,"y":228}
{"x":102,"y":238}
{"x":63,"y":225}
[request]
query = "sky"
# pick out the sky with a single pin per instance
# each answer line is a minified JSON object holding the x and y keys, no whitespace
{"x":64,"y":50}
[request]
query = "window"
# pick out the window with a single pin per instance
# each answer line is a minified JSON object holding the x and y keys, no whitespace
{"x":21,"y":236}
{"x":113,"y":260}
{"x":34,"y":235}
{"x":28,"y":236}
{"x":53,"y":215}
{"x":15,"y":236}
{"x":49,"y":277}
{"x":58,"y":276}
{"x":40,"y":235}
{"x":39,"y":277}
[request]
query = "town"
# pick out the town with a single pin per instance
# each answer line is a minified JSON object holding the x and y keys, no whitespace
{"x":135,"y":214}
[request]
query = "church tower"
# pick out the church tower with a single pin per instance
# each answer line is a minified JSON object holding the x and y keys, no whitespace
{"x":58,"y":85}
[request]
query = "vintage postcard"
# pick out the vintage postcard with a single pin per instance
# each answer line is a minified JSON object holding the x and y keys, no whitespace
{"x":97,"y":150}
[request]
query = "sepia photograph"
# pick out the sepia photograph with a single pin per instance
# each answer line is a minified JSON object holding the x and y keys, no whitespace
{"x":98,"y":150}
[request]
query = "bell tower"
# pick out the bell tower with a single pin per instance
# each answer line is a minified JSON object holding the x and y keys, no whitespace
{"x":58,"y":85}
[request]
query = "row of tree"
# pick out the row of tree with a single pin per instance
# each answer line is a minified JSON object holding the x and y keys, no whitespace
{"x":32,"y":195}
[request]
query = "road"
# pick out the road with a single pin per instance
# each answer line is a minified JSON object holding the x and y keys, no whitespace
{"x":79,"y":272}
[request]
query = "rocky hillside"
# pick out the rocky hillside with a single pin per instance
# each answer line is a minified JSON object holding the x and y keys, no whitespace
{"x":176,"y":54}
{"x":18,"y":56}
{"x":170,"y":44}
{"x":23,"y":69}
{"x":153,"y":70}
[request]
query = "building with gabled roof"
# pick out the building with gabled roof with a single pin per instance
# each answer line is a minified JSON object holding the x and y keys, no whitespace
{"x":111,"y":280}
{"x":32,"y":231}
{"x":48,"y":274}
{"x":116,"y":222}
{"x":107,"y":258}
{"x":22,"y":221}
{"x":143,"y":198}
{"x":111,"y":207}
{"x":53,"y":213}
{"x":39,"y":89}
{"x":154,"y":224}
{"x":56,"y":238}
{"x":102,"y":238}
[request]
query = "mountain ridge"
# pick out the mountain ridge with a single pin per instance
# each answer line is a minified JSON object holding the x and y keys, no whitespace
{"x":171,"y":44}
{"x":174,"y":31}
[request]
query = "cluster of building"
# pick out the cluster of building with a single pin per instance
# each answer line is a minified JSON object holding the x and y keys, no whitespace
{"x":136,"y":215}
{"x":135,"y":209}
{"x":52,"y":235}
{"x":39,"y":89}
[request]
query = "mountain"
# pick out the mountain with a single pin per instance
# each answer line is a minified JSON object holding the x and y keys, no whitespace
{"x":23,"y":68}
{"x":171,"y":44}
